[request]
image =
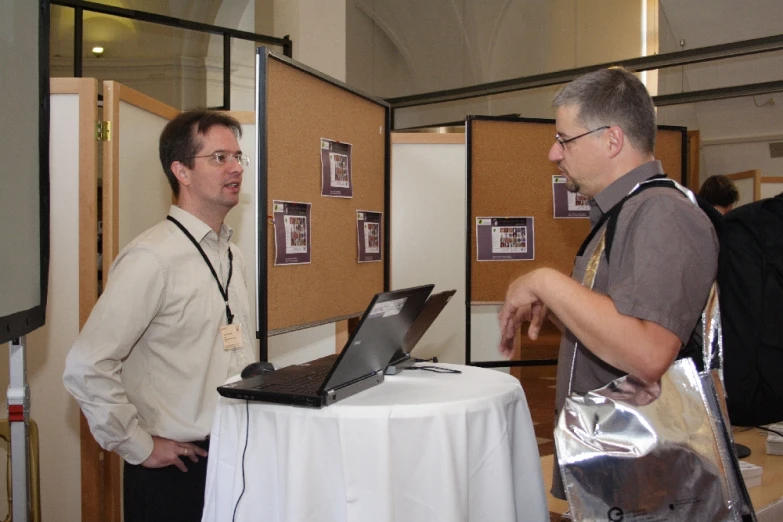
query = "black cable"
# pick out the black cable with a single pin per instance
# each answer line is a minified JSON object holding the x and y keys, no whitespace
{"x":776,"y":432}
{"x":247,"y":436}
{"x":434,"y":369}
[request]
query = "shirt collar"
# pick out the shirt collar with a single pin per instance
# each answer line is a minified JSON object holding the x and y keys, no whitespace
{"x":198,"y":228}
{"x":620,"y":188}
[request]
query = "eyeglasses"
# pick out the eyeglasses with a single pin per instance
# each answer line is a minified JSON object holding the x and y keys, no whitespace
{"x":563,"y":142}
{"x":221,"y":158}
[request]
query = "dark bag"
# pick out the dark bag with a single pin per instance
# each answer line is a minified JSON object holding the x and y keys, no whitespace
{"x":750,"y":277}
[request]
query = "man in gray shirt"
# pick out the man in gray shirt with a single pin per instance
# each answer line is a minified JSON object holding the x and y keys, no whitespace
{"x":644,"y":303}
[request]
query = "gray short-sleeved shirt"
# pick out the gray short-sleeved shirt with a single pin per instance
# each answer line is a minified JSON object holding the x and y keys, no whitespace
{"x":664,"y":259}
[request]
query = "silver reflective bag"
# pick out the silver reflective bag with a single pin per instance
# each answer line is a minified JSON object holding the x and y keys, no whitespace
{"x":632,"y":451}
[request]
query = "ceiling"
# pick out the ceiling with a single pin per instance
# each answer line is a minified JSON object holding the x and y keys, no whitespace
{"x":689,"y":24}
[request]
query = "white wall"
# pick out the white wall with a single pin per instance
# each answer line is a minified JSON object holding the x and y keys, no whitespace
{"x":725,"y":158}
{"x":735,"y":133}
{"x":318,"y":31}
{"x":428,"y":236}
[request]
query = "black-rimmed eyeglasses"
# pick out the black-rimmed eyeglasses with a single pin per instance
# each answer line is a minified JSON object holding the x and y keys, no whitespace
{"x":563,"y":142}
{"x":221,"y":158}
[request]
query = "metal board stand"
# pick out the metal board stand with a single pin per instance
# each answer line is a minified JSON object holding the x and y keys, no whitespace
{"x":18,"y":418}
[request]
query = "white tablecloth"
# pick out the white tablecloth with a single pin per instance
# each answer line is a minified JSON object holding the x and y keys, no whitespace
{"x":420,"y":446}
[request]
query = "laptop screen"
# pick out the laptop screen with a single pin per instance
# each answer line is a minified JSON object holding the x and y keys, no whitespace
{"x":379,"y":333}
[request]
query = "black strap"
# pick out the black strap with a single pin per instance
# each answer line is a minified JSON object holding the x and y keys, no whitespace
{"x":224,"y":293}
{"x":610,"y":216}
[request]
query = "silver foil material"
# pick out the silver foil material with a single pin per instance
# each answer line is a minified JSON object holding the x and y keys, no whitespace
{"x":636,"y":452}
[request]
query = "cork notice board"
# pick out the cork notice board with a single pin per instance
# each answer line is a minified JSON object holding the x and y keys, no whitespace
{"x":509,"y":175}
{"x":298,"y":107}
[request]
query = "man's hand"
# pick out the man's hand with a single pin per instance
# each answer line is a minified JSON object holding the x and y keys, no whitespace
{"x":167,"y":452}
{"x":522,"y":305}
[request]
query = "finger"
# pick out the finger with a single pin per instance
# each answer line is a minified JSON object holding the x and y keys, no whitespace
{"x":198,"y":450}
{"x":503,"y":316}
{"x":506,"y":338}
{"x":506,"y":347}
{"x":193,"y":452}
{"x":180,"y":465}
{"x":537,"y":318}
{"x":513,"y":324}
{"x":185,"y":451}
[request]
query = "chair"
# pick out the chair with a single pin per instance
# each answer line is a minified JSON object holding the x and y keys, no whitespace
{"x":35,"y":484}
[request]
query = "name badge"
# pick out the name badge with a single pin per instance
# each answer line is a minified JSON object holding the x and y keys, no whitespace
{"x":232,"y":336}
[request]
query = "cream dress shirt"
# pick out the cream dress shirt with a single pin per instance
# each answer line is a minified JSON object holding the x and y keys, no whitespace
{"x":150,"y":356}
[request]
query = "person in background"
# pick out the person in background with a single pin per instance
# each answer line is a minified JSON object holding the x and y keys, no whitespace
{"x":720,"y":192}
{"x":647,"y":298}
{"x":171,"y":326}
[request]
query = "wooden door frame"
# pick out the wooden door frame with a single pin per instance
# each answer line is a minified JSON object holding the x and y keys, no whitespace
{"x":87,"y":91}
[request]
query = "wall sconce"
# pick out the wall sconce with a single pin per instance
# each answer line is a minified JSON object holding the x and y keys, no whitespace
{"x":97,"y":51}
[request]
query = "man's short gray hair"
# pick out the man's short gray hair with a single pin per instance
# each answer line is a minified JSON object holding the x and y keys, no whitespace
{"x":613,"y":96}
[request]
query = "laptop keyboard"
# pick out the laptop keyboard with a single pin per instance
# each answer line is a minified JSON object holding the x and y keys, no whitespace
{"x":301,"y":384}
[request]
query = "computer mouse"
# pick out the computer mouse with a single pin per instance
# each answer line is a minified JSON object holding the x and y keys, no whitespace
{"x":256,"y":368}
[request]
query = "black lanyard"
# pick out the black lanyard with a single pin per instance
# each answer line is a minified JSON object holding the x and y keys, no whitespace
{"x":224,"y":293}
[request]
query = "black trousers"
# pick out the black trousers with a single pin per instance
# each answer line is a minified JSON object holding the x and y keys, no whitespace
{"x":165,"y":494}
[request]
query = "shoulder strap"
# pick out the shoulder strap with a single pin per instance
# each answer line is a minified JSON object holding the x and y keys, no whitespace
{"x":710,"y":338}
{"x":610,"y":217}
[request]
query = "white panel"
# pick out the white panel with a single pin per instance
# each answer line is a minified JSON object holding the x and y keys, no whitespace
{"x":145,"y":193}
{"x":770,"y":190}
{"x":484,"y":333}
{"x":302,"y":345}
{"x":745,"y":188}
{"x":56,"y":413}
{"x":428,"y":236}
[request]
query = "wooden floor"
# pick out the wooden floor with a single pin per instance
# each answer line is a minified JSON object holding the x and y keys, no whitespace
{"x":539,"y":382}
{"x":539,"y":385}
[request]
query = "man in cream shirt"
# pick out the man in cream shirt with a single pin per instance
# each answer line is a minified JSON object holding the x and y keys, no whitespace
{"x":172,"y":325}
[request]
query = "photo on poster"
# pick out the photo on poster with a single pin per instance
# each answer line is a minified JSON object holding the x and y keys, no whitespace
{"x":568,"y":204}
{"x":292,"y":232}
{"x":336,"y":178}
{"x":368,"y":235}
{"x":505,"y":239}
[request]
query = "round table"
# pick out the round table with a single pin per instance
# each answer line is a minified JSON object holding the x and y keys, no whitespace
{"x":420,"y":446}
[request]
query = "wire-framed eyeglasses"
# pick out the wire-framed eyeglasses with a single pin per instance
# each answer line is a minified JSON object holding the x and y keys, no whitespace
{"x":563,"y":142}
{"x":221,"y":158}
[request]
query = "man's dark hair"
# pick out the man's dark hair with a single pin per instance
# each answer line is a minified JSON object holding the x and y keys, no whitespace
{"x":181,"y":138}
{"x":719,"y":190}
{"x":613,"y":96}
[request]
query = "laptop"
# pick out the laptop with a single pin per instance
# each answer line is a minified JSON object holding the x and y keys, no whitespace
{"x":402,"y":357}
{"x":359,"y":366}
